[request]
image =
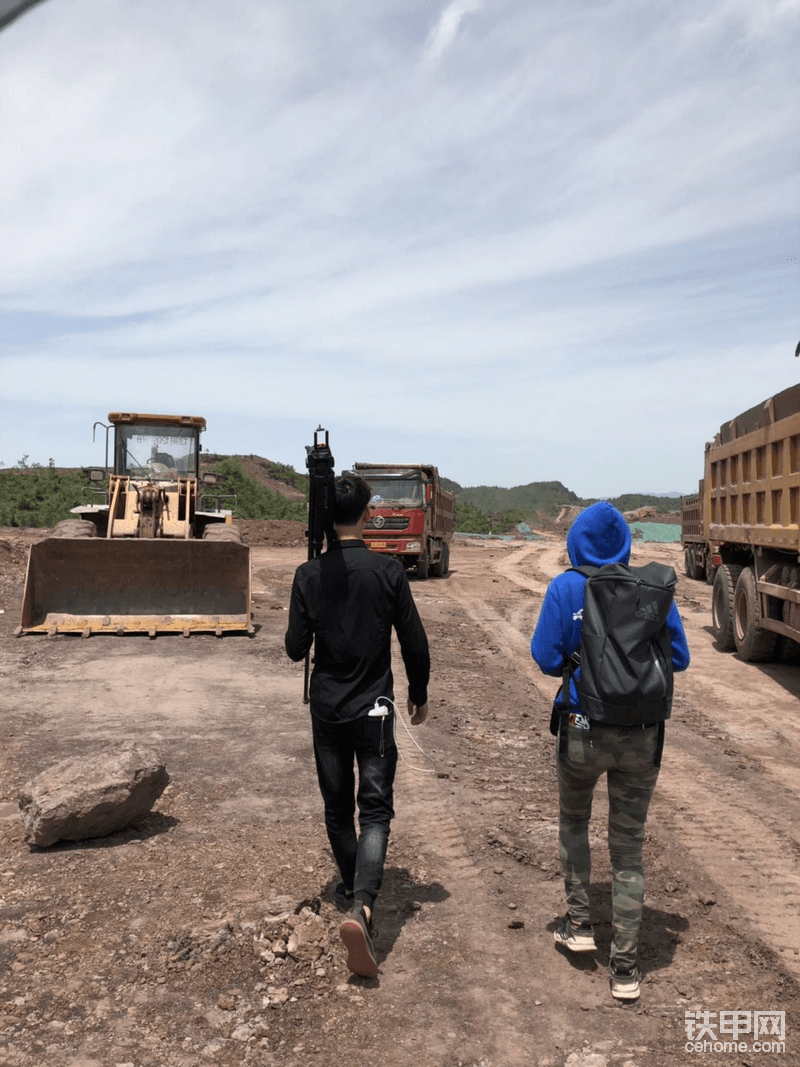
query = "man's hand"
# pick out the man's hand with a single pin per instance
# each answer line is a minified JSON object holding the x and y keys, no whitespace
{"x":417,"y":714}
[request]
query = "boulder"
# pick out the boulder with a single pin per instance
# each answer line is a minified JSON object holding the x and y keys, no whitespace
{"x":91,"y":796}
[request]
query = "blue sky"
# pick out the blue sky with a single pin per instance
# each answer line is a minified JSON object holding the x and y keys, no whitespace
{"x":521,"y":241}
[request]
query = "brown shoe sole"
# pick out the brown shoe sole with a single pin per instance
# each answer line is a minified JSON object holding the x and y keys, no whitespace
{"x":360,"y":957}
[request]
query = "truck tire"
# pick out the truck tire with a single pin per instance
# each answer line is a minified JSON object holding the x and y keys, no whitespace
{"x":699,"y":565}
{"x":722,"y":605}
{"x":693,"y":565}
{"x":222,"y":531}
{"x":752,"y":643}
{"x":423,"y":565}
{"x":74,"y":529}
{"x":437,"y":568}
{"x":446,"y":553}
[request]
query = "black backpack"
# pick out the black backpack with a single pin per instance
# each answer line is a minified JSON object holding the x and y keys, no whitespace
{"x":625,"y":656}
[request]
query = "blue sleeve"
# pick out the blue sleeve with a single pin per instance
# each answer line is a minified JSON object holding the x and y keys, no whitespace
{"x":547,"y":643}
{"x":680,"y":646}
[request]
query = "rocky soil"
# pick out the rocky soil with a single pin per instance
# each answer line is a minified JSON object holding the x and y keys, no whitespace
{"x":207,"y":933}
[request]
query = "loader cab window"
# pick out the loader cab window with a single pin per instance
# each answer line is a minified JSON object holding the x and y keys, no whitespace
{"x":158,"y":453}
{"x":397,"y":492}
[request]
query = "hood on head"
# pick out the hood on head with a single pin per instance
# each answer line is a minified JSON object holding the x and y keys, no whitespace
{"x":599,"y":535}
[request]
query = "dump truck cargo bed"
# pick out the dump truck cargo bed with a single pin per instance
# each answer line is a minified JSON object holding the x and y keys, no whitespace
{"x":93,"y":585}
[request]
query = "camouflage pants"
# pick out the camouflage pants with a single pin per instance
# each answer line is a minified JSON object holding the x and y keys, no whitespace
{"x":625,"y":756}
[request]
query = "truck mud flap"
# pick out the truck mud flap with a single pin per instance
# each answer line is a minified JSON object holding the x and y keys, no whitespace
{"x":93,"y":585}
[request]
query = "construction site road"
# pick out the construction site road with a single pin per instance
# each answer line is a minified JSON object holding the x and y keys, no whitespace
{"x":208,"y":932}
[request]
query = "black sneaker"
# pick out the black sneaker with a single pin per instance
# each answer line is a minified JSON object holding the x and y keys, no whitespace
{"x":575,"y":937}
{"x":625,"y":983}
{"x":343,"y":899}
{"x":356,"y":933}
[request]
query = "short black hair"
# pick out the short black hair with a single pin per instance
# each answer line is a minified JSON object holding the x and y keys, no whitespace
{"x":351,"y":498}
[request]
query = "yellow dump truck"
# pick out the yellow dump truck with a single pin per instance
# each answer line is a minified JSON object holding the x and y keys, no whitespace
{"x":143,"y":555}
{"x":741,"y":531}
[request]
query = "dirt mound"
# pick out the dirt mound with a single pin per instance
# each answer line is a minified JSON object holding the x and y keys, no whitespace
{"x":261,"y":470}
{"x":277,"y":532}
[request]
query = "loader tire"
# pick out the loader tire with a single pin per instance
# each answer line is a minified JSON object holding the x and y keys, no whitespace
{"x":222,"y":531}
{"x":722,"y":605}
{"x":74,"y":529}
{"x":752,"y":642}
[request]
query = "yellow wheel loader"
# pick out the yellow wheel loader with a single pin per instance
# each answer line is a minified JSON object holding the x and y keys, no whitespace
{"x":145,"y":557}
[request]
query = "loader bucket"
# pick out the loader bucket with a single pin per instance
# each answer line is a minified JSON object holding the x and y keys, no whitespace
{"x":93,"y":585}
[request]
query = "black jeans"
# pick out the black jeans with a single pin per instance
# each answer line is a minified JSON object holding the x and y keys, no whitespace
{"x":370,"y":743}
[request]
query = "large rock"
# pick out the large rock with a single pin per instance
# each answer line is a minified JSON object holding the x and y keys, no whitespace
{"x":91,"y":796}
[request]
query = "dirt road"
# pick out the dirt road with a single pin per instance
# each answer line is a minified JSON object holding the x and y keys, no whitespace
{"x":208,"y":933}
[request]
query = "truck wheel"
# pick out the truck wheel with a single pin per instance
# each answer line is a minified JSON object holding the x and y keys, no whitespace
{"x":423,"y":565}
{"x":73,"y":529}
{"x":692,"y":565}
{"x":699,"y":574}
{"x":752,"y":643}
{"x":446,"y":552}
{"x":222,"y":531}
{"x":437,"y":568}
{"x":722,"y":605}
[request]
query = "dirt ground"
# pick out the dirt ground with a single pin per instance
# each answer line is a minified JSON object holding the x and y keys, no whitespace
{"x":208,"y":933}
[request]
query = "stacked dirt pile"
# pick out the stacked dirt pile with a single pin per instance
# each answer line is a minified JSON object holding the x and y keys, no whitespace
{"x":14,"y":557}
{"x":279,"y":533}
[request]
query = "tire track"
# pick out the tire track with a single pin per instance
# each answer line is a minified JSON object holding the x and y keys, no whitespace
{"x":500,"y":1030}
{"x":750,"y":855}
{"x":733,"y":832}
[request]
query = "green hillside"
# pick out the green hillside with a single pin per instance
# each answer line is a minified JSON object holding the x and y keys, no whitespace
{"x":536,"y":496}
{"x":42,"y":496}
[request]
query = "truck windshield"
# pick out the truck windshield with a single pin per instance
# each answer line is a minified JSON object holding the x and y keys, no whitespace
{"x":158,"y":453}
{"x":399,"y":492}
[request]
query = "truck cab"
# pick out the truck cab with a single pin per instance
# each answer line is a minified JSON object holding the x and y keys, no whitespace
{"x":412,"y":516}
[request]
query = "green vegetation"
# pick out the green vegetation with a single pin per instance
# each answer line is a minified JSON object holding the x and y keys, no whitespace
{"x":31,"y":495}
{"x":536,"y":496}
{"x":39,"y":496}
{"x":43,"y":496}
{"x":281,"y":472}
{"x":632,"y":501}
{"x":254,"y":501}
{"x":470,"y":519}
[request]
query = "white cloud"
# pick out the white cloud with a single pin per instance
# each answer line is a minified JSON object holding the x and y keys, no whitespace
{"x":558,"y":200}
{"x":443,"y":34}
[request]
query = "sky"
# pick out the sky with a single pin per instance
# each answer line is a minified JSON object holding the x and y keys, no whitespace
{"x":522,"y":241}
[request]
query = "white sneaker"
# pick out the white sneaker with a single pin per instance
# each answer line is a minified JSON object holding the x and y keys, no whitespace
{"x":578,"y":938}
{"x":625,"y":984}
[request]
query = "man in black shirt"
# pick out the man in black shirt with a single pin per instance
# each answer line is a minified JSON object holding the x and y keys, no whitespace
{"x":348,"y":600}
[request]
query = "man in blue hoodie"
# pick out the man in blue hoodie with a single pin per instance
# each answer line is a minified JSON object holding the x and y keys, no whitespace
{"x":627,"y":755}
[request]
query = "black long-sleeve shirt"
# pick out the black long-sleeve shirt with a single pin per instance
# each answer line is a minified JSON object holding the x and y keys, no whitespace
{"x":348,"y":599}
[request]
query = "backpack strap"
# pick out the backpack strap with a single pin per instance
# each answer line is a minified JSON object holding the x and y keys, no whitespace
{"x":559,"y":720}
{"x":659,"y":744}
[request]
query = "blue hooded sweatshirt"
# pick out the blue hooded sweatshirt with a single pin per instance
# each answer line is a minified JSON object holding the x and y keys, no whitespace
{"x":598,"y":536}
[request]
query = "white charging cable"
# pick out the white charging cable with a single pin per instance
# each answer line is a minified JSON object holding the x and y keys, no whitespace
{"x":381,"y":711}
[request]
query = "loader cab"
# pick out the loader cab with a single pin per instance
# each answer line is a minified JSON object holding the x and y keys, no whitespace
{"x":156,"y":448}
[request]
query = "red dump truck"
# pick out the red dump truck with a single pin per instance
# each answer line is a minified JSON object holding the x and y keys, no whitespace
{"x":412,"y":515}
{"x":741,"y":531}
